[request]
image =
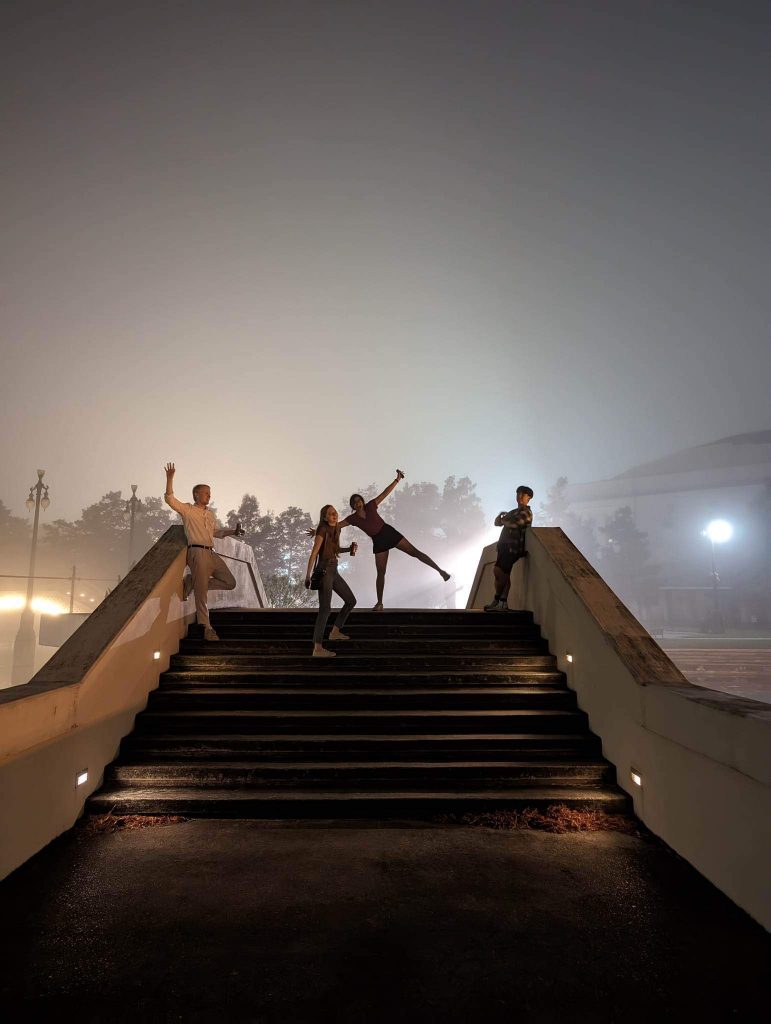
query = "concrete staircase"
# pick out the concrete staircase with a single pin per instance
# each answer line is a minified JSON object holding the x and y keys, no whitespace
{"x":421,"y":713}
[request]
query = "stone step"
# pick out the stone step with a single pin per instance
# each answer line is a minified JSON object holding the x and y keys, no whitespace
{"x":313,"y":673}
{"x":419,"y":746}
{"x":337,"y":721}
{"x":389,"y":803}
{"x":247,"y":677}
{"x":504,"y":632}
{"x":360,"y":698}
{"x":359,"y":774}
{"x":422,"y":713}
{"x":377,"y":667}
{"x":363,"y":653}
{"x":422,"y":616}
{"x":409,"y":632}
{"x":372,"y":646}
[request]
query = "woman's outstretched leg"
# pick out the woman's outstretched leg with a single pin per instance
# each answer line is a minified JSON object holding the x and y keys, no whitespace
{"x":410,"y":549}
{"x":381,"y":563}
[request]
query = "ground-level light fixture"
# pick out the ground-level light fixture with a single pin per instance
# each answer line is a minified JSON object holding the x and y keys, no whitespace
{"x":81,"y":777}
{"x":156,"y":655}
{"x":635,"y":776}
{"x":569,"y":658}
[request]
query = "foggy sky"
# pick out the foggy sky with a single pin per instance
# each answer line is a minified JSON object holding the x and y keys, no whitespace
{"x":294,"y":245}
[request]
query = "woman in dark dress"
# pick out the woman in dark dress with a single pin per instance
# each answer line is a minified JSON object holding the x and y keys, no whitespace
{"x":326,"y":548}
{"x":365,"y":515}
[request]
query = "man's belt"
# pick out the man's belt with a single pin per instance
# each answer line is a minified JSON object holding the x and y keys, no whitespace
{"x":204,"y":546}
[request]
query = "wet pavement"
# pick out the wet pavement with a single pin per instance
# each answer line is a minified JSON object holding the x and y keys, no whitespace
{"x":248,"y":921}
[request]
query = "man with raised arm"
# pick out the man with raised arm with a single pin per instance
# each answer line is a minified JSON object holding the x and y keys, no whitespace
{"x":511,"y":546}
{"x":207,"y":569}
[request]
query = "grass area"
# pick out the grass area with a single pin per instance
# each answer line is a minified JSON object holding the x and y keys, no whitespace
{"x":557,"y":818}
{"x":106,"y":824}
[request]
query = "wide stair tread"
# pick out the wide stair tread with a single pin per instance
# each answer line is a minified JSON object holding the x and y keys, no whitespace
{"x":426,"y":746}
{"x":334,"y":802}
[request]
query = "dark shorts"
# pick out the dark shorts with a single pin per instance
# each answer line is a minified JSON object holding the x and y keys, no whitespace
{"x":386,"y":539}
{"x":508,"y":556}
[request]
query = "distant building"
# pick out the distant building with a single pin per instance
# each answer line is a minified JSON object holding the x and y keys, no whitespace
{"x":672,"y":500}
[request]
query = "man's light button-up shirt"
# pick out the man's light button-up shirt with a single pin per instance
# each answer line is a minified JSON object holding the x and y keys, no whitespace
{"x":199,"y":523}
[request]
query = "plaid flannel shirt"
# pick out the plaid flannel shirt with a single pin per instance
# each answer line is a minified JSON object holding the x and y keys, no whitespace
{"x":515,"y":524}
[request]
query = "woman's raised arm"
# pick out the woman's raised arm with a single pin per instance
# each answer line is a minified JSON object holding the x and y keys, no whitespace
{"x":384,"y":494}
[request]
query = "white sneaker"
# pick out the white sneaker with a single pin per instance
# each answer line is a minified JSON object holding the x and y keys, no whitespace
{"x":323,"y":653}
{"x":496,"y":605}
{"x":337,"y":635}
{"x":209,"y":634}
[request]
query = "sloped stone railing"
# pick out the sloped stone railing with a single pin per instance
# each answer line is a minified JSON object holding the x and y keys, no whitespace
{"x":69,"y":719}
{"x":703,"y":758}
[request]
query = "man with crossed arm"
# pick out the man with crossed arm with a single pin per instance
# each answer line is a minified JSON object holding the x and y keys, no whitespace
{"x":511,"y":546}
{"x":207,"y":569}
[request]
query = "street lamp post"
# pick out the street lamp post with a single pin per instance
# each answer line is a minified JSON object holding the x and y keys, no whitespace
{"x":129,"y":513}
{"x":26,"y":641}
{"x":717,"y":532}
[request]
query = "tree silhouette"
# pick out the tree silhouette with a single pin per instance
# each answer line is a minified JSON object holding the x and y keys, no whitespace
{"x":14,"y":541}
{"x":759,"y":583}
{"x":460,"y":510}
{"x":555,"y":511}
{"x":260,"y":534}
{"x":625,"y":560}
{"x":98,"y":542}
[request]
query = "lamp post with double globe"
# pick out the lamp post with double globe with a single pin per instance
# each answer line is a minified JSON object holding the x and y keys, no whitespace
{"x":717,"y":532}
{"x":26,"y":641}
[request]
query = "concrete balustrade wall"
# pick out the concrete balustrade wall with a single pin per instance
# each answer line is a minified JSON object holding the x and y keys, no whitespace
{"x":704,"y":757}
{"x":73,"y":714}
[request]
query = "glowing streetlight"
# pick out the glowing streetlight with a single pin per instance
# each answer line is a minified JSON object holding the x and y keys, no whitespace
{"x":26,"y":640}
{"x":718,"y":531}
{"x":128,"y":514}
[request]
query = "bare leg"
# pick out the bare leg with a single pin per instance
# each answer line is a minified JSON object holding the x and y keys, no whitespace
{"x":381,"y":563}
{"x":410,"y":549}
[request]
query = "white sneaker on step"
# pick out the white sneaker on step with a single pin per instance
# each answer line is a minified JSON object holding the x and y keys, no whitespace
{"x":323,"y":653}
{"x":337,"y":635}
{"x":209,"y":634}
